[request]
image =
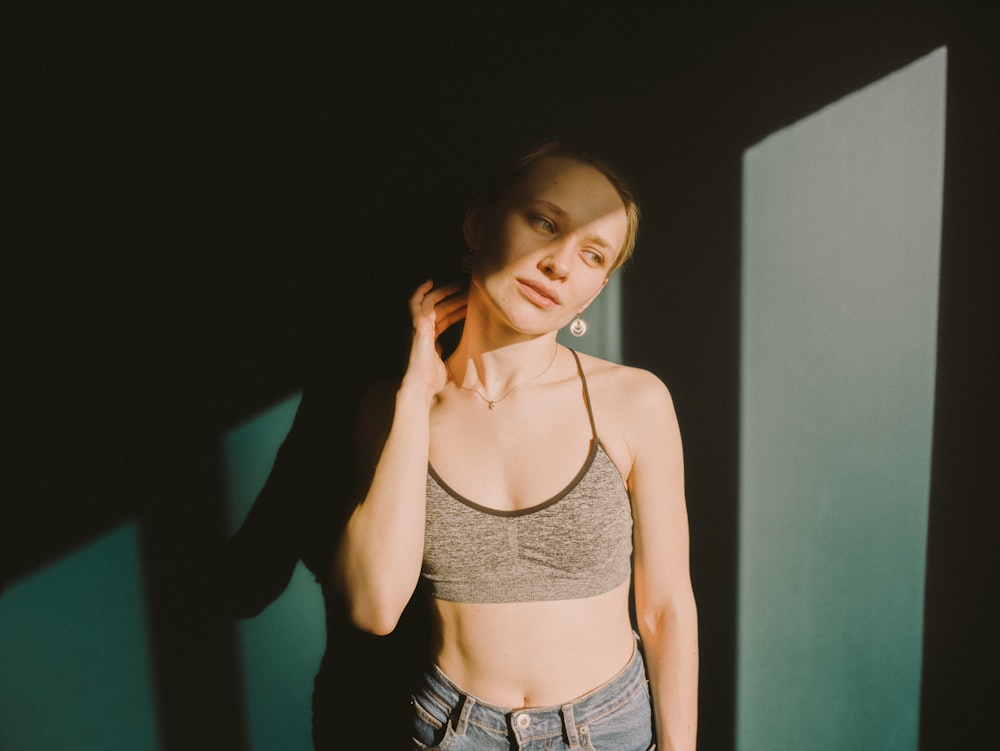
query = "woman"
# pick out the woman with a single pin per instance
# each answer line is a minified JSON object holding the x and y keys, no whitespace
{"x":516,"y":479}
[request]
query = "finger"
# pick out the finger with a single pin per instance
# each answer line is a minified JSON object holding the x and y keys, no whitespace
{"x":456,"y":297}
{"x":447,"y":320}
{"x":449,"y":304}
{"x":443,"y":292}
{"x":417,"y":298}
{"x":449,"y":289}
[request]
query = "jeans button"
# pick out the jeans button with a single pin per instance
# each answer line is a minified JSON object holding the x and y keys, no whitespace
{"x":523,"y":720}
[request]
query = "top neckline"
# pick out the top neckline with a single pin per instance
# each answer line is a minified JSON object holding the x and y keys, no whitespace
{"x":595,"y":445}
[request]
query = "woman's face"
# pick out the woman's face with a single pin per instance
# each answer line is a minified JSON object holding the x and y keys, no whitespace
{"x":544,"y":248}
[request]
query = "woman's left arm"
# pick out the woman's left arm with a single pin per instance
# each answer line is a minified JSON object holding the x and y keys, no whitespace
{"x":665,"y":606}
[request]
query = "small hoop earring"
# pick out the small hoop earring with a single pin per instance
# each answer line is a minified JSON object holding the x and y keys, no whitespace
{"x":579,"y":326}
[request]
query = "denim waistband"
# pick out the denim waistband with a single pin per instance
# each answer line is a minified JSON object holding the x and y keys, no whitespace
{"x":539,"y":722}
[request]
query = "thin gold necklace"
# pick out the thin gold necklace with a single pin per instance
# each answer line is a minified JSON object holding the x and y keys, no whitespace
{"x":492,"y":403}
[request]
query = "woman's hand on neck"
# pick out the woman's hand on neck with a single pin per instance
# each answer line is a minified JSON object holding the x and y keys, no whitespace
{"x":433,"y":311}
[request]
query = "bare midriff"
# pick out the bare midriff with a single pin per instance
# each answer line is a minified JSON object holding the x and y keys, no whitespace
{"x":534,"y":654}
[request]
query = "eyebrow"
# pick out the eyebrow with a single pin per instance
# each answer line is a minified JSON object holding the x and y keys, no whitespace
{"x":553,"y":207}
{"x":560,"y":211}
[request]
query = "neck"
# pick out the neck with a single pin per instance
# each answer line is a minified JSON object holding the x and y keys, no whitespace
{"x":494,"y":370}
{"x":492,"y":358}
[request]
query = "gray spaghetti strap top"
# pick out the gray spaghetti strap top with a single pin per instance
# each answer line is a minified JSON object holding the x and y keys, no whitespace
{"x":576,"y":544}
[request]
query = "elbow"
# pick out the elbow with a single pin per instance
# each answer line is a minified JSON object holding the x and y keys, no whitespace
{"x":372,"y":603}
{"x":668,"y":615}
{"x":380,"y":621}
{"x":364,"y":609}
{"x":370,"y":610}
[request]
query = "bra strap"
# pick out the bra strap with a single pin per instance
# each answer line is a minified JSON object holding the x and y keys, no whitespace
{"x":586,"y":393}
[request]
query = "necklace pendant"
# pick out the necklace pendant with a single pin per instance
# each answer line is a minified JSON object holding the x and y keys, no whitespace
{"x":492,"y":404}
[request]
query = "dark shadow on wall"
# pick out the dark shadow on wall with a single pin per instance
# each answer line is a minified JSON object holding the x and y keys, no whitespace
{"x":961,"y":653}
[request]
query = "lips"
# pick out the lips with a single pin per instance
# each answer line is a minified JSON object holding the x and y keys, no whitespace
{"x":539,"y":293}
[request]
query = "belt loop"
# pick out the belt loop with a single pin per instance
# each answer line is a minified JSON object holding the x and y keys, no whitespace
{"x":569,"y":726}
{"x":461,"y":724}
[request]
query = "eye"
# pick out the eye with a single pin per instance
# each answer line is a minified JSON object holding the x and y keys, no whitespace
{"x":544,"y":224}
{"x":594,"y":256}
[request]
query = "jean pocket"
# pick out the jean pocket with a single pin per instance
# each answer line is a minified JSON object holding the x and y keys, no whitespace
{"x":430,"y":726}
{"x":611,"y":743}
{"x":629,"y":727}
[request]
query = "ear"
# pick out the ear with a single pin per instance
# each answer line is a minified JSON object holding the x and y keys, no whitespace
{"x":472,"y":226}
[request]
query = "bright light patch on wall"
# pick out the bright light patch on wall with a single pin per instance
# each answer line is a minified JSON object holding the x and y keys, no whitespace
{"x":841,"y":246}
{"x":282,"y":646}
{"x":603,"y":317}
{"x":74,"y":654}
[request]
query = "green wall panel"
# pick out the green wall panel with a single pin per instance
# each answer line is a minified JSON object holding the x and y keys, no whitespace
{"x":282,"y":646}
{"x":841,"y":247}
{"x":75,"y":670}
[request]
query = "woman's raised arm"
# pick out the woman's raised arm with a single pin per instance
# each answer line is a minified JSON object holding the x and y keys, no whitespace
{"x":377,"y":563}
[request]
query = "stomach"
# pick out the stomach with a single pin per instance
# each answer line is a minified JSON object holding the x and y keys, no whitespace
{"x":533,"y":654}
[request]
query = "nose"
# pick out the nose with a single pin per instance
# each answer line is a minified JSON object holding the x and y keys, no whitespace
{"x":554,"y":263}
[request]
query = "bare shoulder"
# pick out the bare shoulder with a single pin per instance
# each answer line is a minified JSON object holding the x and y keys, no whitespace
{"x":633,"y":410}
{"x":625,"y":391}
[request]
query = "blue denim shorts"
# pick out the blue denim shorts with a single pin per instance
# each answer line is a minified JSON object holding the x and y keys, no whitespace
{"x":616,"y":716}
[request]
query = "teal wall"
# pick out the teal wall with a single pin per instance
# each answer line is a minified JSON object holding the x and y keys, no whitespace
{"x":75,"y":670}
{"x":604,"y":323}
{"x":281,"y":648}
{"x":841,"y":236}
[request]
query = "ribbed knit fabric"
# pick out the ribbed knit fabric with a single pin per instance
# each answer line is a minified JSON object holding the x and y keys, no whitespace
{"x":576,"y":544}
